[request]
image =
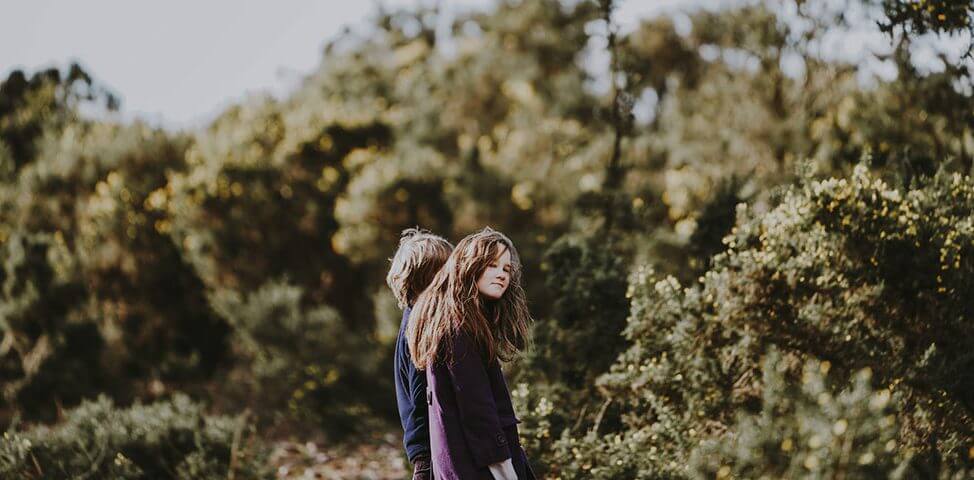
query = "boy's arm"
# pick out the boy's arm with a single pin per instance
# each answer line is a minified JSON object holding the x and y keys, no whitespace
{"x":419,"y":444}
{"x":411,"y":397}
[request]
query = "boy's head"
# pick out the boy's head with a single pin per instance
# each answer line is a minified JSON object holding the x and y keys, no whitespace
{"x":419,"y":257}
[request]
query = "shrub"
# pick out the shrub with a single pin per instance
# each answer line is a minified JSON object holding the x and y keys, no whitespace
{"x":810,"y":428}
{"x":167,"y":439}
{"x":586,"y":279}
{"x":850,"y":271}
{"x":863,"y":275}
{"x":46,"y":355}
{"x":301,"y":364}
{"x":679,"y":382}
{"x":89,"y":275}
{"x":258,"y":199}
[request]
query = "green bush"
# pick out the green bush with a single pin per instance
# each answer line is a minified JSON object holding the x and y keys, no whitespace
{"x":586,"y":279}
{"x":678,"y":382}
{"x":575,"y":343}
{"x":48,"y":354}
{"x":300,"y":366}
{"x":808,"y":428}
{"x":168,"y":439}
{"x":90,"y":274}
{"x":258,"y":200}
{"x":864,"y":275}
{"x":850,"y":271}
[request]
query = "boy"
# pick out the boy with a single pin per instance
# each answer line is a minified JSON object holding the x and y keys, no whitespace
{"x":419,"y":257}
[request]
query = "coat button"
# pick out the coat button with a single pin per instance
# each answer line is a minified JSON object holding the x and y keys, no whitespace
{"x":501,"y":440}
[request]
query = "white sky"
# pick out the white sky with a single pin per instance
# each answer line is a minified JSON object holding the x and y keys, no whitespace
{"x":178,"y":63}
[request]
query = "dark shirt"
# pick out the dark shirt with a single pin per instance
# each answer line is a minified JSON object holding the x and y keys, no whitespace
{"x":411,"y":398}
{"x":472,"y":421}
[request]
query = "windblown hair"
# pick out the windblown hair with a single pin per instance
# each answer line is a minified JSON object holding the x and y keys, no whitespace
{"x":419,"y":257}
{"x":452,"y":305}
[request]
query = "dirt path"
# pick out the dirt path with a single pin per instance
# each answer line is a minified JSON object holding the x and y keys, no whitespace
{"x":381,"y":460}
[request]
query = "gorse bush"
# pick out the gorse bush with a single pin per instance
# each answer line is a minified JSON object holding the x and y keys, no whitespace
{"x":49,"y":355}
{"x":864,"y":275}
{"x":36,"y":104}
{"x":90,"y":275}
{"x":680,"y":381}
{"x":850,"y":271}
{"x":299,"y":364}
{"x":809,"y":427}
{"x":262,"y":205}
{"x":586,"y":279}
{"x":166,"y":440}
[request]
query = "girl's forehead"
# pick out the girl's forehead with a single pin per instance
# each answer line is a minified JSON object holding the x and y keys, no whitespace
{"x":483,"y":246}
{"x":489,"y":250}
{"x":501,"y":253}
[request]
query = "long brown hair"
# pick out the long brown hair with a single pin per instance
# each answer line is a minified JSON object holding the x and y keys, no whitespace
{"x":452,"y":304}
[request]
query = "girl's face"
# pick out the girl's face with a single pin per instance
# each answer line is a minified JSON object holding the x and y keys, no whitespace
{"x":494,"y":281}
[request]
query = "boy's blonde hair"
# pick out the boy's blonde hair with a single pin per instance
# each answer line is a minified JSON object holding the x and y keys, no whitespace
{"x":419,"y":257}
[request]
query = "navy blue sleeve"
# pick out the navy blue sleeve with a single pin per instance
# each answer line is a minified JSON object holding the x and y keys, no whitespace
{"x":411,"y":398}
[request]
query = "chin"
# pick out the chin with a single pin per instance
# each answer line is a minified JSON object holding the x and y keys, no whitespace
{"x":492,"y":295}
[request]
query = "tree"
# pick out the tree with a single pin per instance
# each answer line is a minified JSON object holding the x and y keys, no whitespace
{"x":919,"y":17}
{"x":101,"y":257}
{"x":46,"y":100}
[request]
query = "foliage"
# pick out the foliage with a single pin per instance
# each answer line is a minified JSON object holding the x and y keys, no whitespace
{"x":299,"y":360}
{"x":865,"y":275}
{"x":808,"y":428}
{"x":243,"y":262}
{"x":31,"y":106}
{"x":258,"y":199}
{"x":45,"y":354}
{"x":929,"y":131}
{"x":678,"y":382}
{"x":90,"y":273}
{"x":921,"y":16}
{"x":167,"y":439}
{"x":851,"y":271}
{"x":586,"y":280}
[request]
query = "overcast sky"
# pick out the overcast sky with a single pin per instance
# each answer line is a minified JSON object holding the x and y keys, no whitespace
{"x":177,"y":63}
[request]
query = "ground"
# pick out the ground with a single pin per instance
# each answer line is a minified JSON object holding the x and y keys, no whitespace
{"x":378,"y":460}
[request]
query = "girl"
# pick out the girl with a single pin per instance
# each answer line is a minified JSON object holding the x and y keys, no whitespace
{"x":472,"y":316}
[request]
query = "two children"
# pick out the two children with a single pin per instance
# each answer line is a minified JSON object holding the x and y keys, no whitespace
{"x":458,"y":323}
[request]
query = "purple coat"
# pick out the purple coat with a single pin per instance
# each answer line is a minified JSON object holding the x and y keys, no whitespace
{"x":471,"y":418}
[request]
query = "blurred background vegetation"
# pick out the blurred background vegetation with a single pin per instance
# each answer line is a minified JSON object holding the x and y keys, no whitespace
{"x":743,"y":259}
